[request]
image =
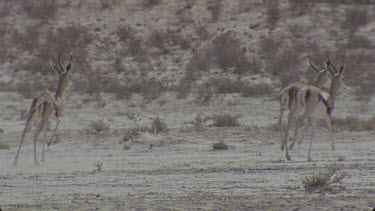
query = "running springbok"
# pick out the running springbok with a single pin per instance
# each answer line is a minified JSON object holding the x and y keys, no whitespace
{"x":313,"y":104}
{"x":287,"y":94}
{"x":44,"y":106}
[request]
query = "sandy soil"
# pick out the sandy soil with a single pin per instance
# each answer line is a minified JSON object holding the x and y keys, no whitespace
{"x":180,"y":170}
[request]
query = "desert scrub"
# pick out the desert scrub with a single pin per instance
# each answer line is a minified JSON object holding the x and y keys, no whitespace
{"x":157,"y":126}
{"x":99,"y":166}
{"x":351,"y":123}
{"x":131,"y":134}
{"x":199,"y":123}
{"x":225,"y":120}
{"x":220,"y":145}
{"x":4,"y":145}
{"x":326,"y":180}
{"x":97,"y":127}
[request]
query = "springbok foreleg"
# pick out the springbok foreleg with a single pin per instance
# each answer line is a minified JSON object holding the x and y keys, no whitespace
{"x":281,"y":129}
{"x":309,"y":158}
{"x":54,"y":132}
{"x":286,"y":134}
{"x":44,"y":143}
{"x":330,"y":128}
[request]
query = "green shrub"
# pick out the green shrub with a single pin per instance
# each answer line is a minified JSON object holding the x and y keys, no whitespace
{"x":220,"y":146}
{"x":157,"y":126}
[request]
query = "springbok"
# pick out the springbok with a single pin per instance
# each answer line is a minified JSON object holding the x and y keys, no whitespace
{"x":313,"y":104}
{"x":288,"y":93}
{"x":44,"y":106}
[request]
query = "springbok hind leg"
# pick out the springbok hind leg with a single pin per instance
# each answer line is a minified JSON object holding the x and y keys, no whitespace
{"x":297,"y":131}
{"x":44,"y":143}
{"x":281,"y":129}
{"x":54,"y":132}
{"x":19,"y":147}
{"x":309,"y":158}
{"x":286,"y":134}
{"x":42,"y":126}
{"x":330,"y":128}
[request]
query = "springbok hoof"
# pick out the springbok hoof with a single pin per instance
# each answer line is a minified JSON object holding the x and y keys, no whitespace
{"x":309,"y":159}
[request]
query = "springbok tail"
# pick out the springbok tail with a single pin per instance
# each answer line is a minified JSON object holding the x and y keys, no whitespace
{"x":36,"y":106}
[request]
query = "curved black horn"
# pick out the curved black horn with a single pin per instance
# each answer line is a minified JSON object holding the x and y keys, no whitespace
{"x":334,"y":67}
{"x":313,"y":66}
{"x":59,"y":61}
{"x":70,"y":62}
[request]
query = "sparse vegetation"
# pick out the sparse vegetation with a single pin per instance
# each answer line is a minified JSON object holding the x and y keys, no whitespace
{"x":4,"y":145}
{"x":199,"y":123}
{"x":257,"y":90}
{"x":299,"y":7}
{"x":220,"y":146}
{"x":98,"y":127}
{"x":355,"y":17}
{"x":131,"y":134}
{"x":99,"y":166}
{"x":158,"y":126}
{"x":326,"y":180}
{"x":351,"y":123}
{"x":215,"y":7}
{"x":43,"y":10}
{"x":341,"y":158}
{"x":107,"y":3}
{"x":229,"y":54}
{"x":225,"y":120}
{"x":272,"y":11}
{"x":204,"y":94}
{"x":150,"y":3}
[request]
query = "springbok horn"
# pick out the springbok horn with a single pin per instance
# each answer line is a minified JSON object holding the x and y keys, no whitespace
{"x":313,"y":66}
{"x":70,"y":62}
{"x":59,"y":61}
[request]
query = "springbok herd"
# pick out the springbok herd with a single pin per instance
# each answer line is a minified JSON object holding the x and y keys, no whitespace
{"x":305,"y":105}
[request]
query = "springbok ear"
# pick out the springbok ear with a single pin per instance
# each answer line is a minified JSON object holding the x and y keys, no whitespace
{"x":54,"y":67}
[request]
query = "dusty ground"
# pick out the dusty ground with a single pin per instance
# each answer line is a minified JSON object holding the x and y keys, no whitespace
{"x":180,"y":171}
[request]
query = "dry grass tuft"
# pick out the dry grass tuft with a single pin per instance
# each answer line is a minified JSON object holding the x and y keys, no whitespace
{"x":225,"y":120}
{"x":98,"y":127}
{"x":4,"y":145}
{"x":131,"y":134}
{"x":220,"y":146}
{"x":158,"y":126}
{"x":326,"y":180}
{"x":99,"y":166}
{"x":199,"y":123}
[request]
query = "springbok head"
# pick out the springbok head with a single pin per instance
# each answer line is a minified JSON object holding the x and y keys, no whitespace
{"x":323,"y":76}
{"x":337,"y":78}
{"x":63,"y":72}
